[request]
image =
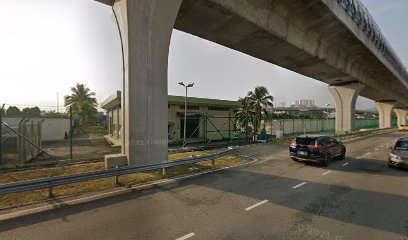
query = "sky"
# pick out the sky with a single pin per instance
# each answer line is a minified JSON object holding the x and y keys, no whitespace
{"x":47,"y":46}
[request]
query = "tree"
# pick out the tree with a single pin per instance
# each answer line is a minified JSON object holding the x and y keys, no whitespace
{"x":31,"y":112}
{"x":244,"y":114}
{"x":13,"y":111}
{"x":82,"y":101}
{"x":260,"y":100}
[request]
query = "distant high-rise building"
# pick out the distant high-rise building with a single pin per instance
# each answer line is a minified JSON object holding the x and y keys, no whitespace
{"x":280,"y":104}
{"x":305,"y":103}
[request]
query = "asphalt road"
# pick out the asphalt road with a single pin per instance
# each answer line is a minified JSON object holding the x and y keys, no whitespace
{"x":275,"y":198}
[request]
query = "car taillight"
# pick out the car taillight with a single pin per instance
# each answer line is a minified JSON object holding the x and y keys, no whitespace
{"x":293,"y":144}
{"x":316,"y":146}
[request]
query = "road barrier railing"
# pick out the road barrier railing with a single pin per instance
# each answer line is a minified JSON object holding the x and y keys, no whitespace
{"x":348,"y":135}
{"x":361,"y":133}
{"x":51,"y":182}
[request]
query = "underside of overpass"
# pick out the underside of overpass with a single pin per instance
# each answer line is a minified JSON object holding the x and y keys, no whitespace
{"x":333,"y":41}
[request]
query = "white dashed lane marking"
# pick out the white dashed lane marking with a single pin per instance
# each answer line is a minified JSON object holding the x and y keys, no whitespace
{"x":299,"y":185}
{"x":256,"y":205}
{"x":186,"y":236}
{"x":325,"y":173}
{"x":345,"y":164}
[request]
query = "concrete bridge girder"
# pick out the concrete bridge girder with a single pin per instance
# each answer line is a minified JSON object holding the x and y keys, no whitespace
{"x":384,"y":113}
{"x":401,"y":116}
{"x":345,"y":100}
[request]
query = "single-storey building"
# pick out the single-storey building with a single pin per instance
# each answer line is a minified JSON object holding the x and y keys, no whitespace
{"x":206,"y":118}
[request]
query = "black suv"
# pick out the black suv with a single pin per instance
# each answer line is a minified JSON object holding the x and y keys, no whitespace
{"x":316,"y":148}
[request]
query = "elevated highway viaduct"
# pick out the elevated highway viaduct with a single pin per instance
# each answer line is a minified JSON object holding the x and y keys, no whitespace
{"x":333,"y":41}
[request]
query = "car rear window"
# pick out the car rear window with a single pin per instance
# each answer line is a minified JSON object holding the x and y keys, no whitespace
{"x":306,"y":141}
{"x":401,"y":145}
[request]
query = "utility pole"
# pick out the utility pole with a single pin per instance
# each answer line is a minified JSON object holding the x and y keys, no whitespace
{"x":327,"y":115}
{"x":70,"y":132}
{"x":57,"y":102}
{"x":185,"y":110}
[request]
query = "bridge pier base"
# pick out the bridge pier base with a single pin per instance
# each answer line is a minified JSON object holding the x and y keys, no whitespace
{"x":146,"y":27}
{"x":384,"y":113}
{"x":345,"y":97}
{"x":401,"y":116}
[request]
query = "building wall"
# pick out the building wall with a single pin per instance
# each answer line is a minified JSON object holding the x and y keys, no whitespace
{"x":174,"y":129}
{"x":114,"y":121}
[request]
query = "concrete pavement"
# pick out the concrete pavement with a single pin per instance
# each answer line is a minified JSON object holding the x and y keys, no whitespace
{"x":276,"y":198}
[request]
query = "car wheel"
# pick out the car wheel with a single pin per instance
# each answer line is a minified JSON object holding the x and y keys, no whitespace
{"x":343,"y":154}
{"x":295,"y":159}
{"x":325,"y":161}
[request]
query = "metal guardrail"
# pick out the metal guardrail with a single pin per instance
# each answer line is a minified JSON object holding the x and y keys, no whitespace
{"x":353,"y":134}
{"x":361,"y":133}
{"x":50,"y":182}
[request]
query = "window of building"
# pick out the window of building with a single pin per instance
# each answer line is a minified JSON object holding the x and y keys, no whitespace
{"x":190,"y":107}
{"x":219,"y":108}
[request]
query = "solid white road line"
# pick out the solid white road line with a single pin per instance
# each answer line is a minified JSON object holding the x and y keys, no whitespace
{"x":186,"y":236}
{"x":345,"y":164}
{"x":299,"y":185}
{"x":256,"y":205}
{"x":325,"y":173}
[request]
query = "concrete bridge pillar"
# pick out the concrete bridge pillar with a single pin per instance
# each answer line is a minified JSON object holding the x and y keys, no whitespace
{"x":401,"y":116}
{"x":345,"y":97}
{"x":384,"y":113}
{"x":146,"y":27}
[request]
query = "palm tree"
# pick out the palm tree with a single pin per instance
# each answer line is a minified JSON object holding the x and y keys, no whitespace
{"x":82,"y":101}
{"x":244,"y":114}
{"x":260,"y":100}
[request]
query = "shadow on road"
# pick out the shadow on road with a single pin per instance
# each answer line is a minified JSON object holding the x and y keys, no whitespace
{"x":378,"y":210}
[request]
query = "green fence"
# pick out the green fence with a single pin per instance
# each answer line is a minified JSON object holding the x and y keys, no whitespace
{"x":210,"y":129}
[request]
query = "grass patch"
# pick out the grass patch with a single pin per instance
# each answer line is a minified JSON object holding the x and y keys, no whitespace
{"x":23,"y":198}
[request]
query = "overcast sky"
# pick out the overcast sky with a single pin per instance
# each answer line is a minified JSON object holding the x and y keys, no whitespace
{"x":47,"y":46}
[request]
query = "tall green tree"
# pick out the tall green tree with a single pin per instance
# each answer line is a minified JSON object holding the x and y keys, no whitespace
{"x":244,"y":114}
{"x":260,"y":100}
{"x":82,"y":101}
{"x":13,"y":111}
{"x":31,"y":112}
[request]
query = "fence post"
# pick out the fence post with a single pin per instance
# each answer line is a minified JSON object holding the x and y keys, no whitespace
{"x":70,"y":132}
{"x":205,"y":127}
{"x":229,"y":125}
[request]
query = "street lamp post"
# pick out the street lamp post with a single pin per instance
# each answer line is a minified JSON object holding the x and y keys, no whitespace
{"x":327,"y":115}
{"x":185,"y":110}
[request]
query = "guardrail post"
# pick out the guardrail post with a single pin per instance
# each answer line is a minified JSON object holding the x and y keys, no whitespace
{"x":117,"y":178}
{"x":50,"y":188}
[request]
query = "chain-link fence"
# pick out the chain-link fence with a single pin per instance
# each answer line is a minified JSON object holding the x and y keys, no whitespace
{"x":51,"y":140}
{"x":211,"y":130}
